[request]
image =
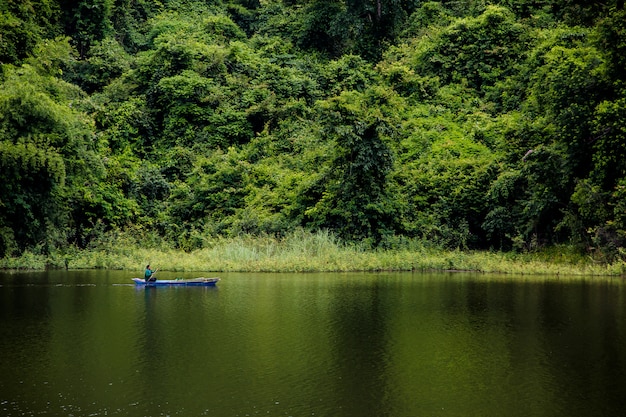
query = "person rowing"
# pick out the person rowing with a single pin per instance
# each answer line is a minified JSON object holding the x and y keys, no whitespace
{"x":149,"y":274}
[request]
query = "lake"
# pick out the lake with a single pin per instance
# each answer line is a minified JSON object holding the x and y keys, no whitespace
{"x":86,"y":343}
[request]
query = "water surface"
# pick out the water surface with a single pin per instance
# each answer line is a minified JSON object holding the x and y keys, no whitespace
{"x":391,"y":344}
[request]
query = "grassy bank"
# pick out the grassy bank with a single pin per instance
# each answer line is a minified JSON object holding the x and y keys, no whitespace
{"x":310,"y":252}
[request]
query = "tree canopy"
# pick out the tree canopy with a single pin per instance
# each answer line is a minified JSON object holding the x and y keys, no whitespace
{"x":465,"y":124}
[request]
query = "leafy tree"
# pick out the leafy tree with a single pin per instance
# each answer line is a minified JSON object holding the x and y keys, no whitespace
{"x":213,"y":191}
{"x":87,"y":21}
{"x":323,"y":28}
{"x":105,"y":61}
{"x":443,"y":172}
{"x":127,"y":125}
{"x":55,"y":177}
{"x":348,"y":73}
{"x":428,"y":14}
{"x":33,"y":178}
{"x":611,"y":39}
{"x":23,"y":24}
{"x":128,"y":17}
{"x":352,"y":27}
{"x":356,"y":201}
{"x":478,"y":51}
{"x":596,"y":218}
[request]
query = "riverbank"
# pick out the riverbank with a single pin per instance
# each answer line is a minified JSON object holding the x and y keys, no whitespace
{"x":306,"y":252}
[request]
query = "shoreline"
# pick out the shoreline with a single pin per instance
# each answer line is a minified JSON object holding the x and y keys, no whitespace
{"x":337,"y":260}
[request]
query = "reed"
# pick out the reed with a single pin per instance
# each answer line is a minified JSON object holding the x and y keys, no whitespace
{"x":304,"y":251}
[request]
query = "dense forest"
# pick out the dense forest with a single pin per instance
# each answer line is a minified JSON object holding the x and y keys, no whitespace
{"x":482,"y":125}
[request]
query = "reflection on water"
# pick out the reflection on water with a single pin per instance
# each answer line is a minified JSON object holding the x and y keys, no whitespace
{"x":395,"y":344}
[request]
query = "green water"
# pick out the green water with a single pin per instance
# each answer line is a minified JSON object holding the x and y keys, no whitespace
{"x":392,"y":344}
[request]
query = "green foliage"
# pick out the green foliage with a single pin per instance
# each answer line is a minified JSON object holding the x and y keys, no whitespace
{"x":463,"y":124}
{"x":128,"y":18}
{"x":213,"y":191}
{"x":23,"y":24}
{"x":609,"y":142}
{"x":88,"y":21}
{"x":427,"y":14}
{"x":444,"y":174}
{"x":55,"y":178}
{"x":105,"y":61}
{"x":338,"y":27}
{"x":611,"y":38}
{"x":32,"y":180}
{"x":477,"y":51}
{"x":355,"y":199}
{"x":348,"y":73}
{"x":598,"y":199}
{"x":127,"y":125}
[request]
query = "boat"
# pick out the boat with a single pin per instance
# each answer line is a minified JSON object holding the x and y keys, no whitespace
{"x":193,"y":282}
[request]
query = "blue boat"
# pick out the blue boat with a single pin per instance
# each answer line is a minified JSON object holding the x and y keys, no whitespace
{"x":194,"y":282}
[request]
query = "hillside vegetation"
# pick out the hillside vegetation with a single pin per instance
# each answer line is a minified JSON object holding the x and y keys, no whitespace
{"x":464,"y":125}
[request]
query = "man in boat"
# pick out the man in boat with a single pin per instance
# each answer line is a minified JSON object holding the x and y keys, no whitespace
{"x":149,"y":274}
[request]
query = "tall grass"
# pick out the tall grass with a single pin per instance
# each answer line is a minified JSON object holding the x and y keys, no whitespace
{"x":304,"y":251}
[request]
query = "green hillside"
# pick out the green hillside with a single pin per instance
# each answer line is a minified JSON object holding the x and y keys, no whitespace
{"x":471,"y":125}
